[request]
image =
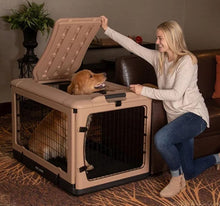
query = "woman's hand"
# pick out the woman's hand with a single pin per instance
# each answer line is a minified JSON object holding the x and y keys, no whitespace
{"x":136,"y":88}
{"x":104,"y":22}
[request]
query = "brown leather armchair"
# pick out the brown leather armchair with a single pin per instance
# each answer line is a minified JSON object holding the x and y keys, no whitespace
{"x":132,"y":69}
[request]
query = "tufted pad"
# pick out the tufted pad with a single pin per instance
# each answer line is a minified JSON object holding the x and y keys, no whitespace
{"x":66,"y":49}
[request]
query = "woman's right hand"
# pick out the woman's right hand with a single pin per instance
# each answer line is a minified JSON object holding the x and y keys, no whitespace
{"x":136,"y":88}
{"x":104,"y":22}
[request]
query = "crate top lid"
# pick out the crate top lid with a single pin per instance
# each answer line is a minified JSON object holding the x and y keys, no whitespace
{"x":66,"y":48}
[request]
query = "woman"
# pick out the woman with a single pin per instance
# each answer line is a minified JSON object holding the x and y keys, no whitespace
{"x":176,"y":71}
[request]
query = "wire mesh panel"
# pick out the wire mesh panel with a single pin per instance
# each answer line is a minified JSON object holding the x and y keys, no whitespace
{"x":115,"y":141}
{"x":42,"y":130}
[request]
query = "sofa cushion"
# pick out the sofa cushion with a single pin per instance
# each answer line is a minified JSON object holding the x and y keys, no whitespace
{"x":132,"y":69}
{"x":207,"y":71}
{"x":216,"y":93}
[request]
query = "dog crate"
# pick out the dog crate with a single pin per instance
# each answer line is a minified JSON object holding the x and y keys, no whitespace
{"x":82,"y":143}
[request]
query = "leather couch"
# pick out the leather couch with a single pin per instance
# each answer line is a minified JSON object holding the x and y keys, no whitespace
{"x":132,"y":69}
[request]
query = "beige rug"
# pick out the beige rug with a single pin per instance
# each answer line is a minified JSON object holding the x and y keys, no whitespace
{"x":20,"y":186}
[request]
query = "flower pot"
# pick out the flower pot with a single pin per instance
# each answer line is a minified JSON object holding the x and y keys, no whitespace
{"x":30,"y":43}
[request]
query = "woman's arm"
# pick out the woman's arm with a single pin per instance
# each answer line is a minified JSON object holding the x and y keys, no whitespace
{"x":126,"y":42}
{"x":185,"y":74}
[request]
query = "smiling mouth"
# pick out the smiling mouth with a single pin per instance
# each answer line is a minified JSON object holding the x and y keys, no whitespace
{"x":100,"y":85}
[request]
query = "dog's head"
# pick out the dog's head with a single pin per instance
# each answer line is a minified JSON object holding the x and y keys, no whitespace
{"x":86,"y":82}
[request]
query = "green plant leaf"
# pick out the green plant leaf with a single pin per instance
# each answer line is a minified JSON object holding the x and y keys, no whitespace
{"x":30,"y":15}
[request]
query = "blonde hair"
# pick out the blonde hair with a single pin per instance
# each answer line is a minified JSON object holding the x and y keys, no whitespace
{"x":174,"y":37}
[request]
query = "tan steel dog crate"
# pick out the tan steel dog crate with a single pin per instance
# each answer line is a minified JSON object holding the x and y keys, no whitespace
{"x":82,"y":143}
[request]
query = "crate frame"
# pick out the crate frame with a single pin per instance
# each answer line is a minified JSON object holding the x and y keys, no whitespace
{"x":75,"y":179}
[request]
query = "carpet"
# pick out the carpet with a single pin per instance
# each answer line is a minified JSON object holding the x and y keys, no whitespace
{"x":20,"y":186}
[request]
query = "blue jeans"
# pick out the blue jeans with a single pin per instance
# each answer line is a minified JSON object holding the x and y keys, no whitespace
{"x":175,"y":142}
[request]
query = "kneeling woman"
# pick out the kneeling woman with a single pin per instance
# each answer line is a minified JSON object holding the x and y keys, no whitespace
{"x":176,"y":71}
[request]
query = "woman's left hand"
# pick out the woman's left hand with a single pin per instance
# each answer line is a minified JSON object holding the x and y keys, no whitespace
{"x":136,"y":88}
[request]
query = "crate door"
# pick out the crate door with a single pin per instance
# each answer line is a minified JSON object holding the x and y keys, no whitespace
{"x":115,"y":142}
{"x":42,"y":130}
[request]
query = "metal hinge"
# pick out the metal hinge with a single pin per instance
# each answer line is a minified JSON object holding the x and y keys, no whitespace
{"x":82,"y":169}
{"x":83,"y":129}
{"x":118,"y":103}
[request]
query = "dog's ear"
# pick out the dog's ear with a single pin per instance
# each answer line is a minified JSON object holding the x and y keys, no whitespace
{"x":73,"y":88}
{"x":70,"y":89}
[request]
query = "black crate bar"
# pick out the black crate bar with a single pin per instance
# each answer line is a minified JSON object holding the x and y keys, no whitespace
{"x":117,"y":144}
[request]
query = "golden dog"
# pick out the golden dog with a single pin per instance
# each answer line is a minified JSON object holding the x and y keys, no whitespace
{"x":86,"y":82}
{"x":49,"y":137}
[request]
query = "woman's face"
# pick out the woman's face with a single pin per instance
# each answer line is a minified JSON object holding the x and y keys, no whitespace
{"x":161,"y":42}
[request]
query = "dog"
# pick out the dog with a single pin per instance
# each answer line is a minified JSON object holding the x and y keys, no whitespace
{"x":86,"y":82}
{"x":49,"y":137}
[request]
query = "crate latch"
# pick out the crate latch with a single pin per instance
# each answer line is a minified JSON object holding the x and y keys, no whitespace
{"x":116,"y":97}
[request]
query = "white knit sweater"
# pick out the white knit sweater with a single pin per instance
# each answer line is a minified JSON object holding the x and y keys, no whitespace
{"x":179,"y":90}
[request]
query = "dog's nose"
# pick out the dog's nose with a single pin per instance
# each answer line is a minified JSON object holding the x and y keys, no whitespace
{"x":104,"y":73}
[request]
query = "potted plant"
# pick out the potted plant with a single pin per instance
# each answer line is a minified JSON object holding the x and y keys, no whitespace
{"x":30,"y":18}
